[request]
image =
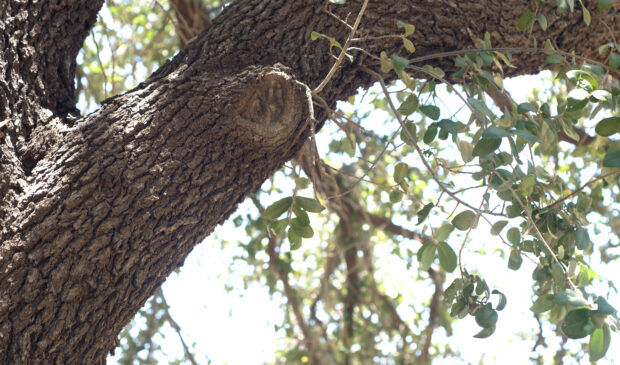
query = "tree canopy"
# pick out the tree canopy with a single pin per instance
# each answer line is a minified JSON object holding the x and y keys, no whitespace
{"x":412,"y":151}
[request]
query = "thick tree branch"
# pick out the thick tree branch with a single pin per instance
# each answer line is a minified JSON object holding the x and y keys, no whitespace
{"x":96,"y":212}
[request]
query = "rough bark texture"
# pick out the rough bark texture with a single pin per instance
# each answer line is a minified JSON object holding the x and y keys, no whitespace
{"x":96,"y":211}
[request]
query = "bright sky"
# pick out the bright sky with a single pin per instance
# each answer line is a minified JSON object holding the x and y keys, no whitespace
{"x":229,"y":329}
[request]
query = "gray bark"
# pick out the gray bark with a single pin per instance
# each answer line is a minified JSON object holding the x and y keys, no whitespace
{"x":96,"y":211}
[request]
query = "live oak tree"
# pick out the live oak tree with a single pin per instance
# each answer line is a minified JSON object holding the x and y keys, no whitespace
{"x":97,"y":210}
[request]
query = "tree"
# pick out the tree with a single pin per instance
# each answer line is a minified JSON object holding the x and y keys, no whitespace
{"x":98,"y":210}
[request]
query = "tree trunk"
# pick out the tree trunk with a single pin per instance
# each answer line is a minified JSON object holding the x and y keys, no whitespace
{"x":96,"y":211}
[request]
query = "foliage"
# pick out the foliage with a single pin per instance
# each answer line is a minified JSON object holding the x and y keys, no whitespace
{"x":411,"y":180}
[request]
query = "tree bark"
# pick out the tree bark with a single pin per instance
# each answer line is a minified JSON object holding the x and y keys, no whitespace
{"x":96,"y":211}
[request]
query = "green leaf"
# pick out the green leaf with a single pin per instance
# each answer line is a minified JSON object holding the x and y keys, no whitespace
{"x":572,"y":297}
{"x":526,"y":21}
{"x":583,"y":203}
{"x":447,"y":257}
{"x":400,"y":172}
{"x":277,"y":227}
{"x":386,"y":65}
{"x":587,"y":18}
{"x":486,"y":317}
{"x":515,"y":260}
{"x":486,"y":332}
{"x":582,"y":238}
{"x":614,"y":60}
{"x":525,"y":108}
{"x":308,"y":204}
{"x":542,"y":20}
{"x":302,"y":216}
{"x":541,"y":274}
{"x":294,"y":239}
{"x":459,"y":308}
{"x":604,"y":307}
{"x":502,"y":300}
{"x":577,"y":99}
{"x":464,"y":220}
{"x":423,"y":213}
{"x":466,"y":149}
{"x":514,"y":236}
{"x":486,"y":146}
{"x":408,"y":45}
{"x":430,"y":111}
{"x":315,"y":35}
{"x":449,"y":126}
{"x":410,"y":127}
{"x":428,"y":256}
{"x":608,"y":126}
{"x":527,"y":185}
{"x":303,"y":230}
{"x":399,"y":63}
{"x":481,"y":107}
{"x":600,"y":340}
{"x":450,"y":293}
{"x":543,"y":303}
{"x":409,"y":28}
{"x":396,"y":196}
{"x":409,"y":105}
{"x":495,"y":132}
{"x":612,"y":159}
{"x":442,"y":233}
{"x":526,"y":135}
{"x":497,"y":227}
{"x":582,"y":79}
{"x":554,"y":58}
{"x":604,"y":4}
{"x":431,"y":133}
{"x":481,"y":286}
{"x":578,"y":324}
{"x":276,"y":209}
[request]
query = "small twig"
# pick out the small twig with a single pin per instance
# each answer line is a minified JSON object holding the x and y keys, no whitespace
{"x":592,"y":181}
{"x":371,"y":38}
{"x":343,"y":52}
{"x":176,"y":327}
{"x":105,"y":78}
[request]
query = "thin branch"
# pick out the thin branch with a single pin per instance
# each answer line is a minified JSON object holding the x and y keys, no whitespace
{"x":176,"y":327}
{"x":343,"y":51}
{"x":432,"y":318}
{"x":503,"y":49}
{"x":105,"y":78}
{"x":274,"y":260}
